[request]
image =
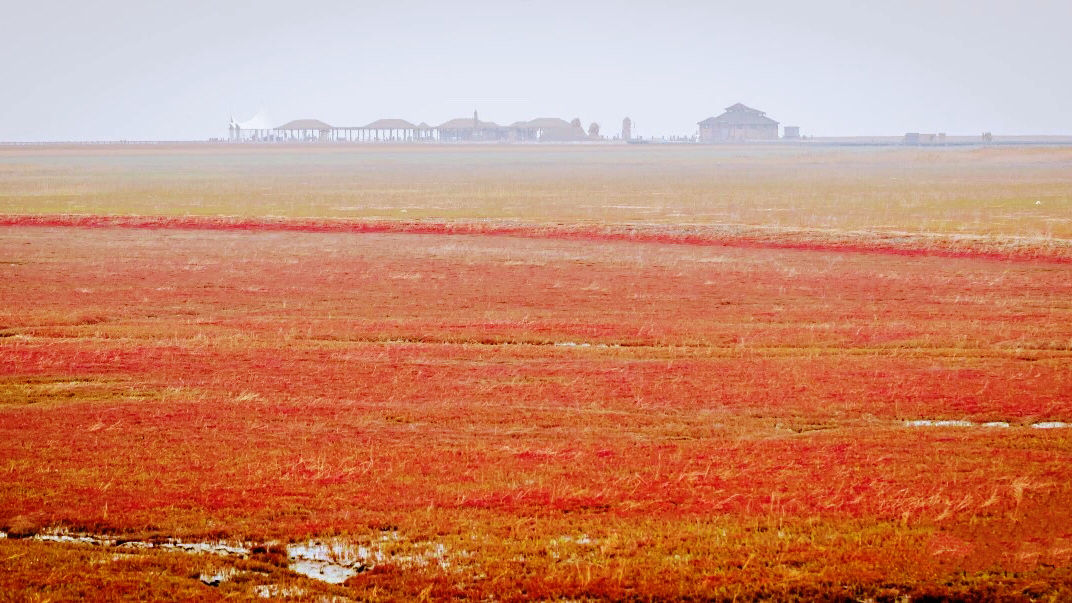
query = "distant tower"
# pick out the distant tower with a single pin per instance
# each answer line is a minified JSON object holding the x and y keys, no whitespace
{"x":476,"y":120}
{"x":627,"y":129}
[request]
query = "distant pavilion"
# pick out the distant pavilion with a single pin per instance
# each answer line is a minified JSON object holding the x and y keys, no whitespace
{"x":463,"y":129}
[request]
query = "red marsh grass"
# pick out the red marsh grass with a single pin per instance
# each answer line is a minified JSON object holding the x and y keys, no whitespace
{"x":723,"y":421}
{"x":537,"y":372}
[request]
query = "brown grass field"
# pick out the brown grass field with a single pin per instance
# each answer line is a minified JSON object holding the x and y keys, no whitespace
{"x":592,"y":373}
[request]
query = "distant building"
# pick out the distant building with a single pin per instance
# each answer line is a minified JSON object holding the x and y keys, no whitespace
{"x":464,"y":129}
{"x":917,"y":138}
{"x":627,"y":129}
{"x":791,"y":132}
{"x":303,"y":130}
{"x":738,"y":124}
{"x":547,"y":129}
{"x":393,"y":130}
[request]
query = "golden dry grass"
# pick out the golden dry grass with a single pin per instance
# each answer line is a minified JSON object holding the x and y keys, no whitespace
{"x":986,"y":191}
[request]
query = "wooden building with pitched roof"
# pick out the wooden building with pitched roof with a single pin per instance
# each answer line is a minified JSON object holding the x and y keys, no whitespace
{"x":739,"y":123}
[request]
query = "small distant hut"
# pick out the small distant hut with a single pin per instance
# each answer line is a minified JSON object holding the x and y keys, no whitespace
{"x":920,"y":138}
{"x":392,"y":130}
{"x":548,"y":129}
{"x":465,"y":129}
{"x":739,"y":123}
{"x":304,"y":129}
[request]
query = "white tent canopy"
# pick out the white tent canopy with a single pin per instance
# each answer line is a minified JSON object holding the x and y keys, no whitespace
{"x":260,"y":121}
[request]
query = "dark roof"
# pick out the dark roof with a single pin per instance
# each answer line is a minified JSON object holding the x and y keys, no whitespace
{"x":463,"y":123}
{"x":390,"y":124}
{"x":304,"y":124}
{"x":742,"y":107}
{"x":740,"y":115}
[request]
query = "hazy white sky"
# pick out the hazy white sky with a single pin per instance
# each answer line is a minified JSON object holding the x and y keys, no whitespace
{"x":139,"y":69}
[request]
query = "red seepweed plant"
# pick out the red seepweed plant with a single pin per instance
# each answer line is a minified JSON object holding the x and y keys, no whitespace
{"x":573,"y":412}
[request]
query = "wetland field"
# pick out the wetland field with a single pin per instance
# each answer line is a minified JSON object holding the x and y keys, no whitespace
{"x":633,"y":372}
